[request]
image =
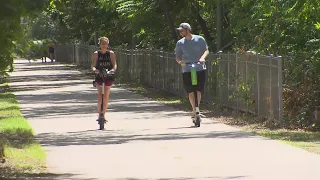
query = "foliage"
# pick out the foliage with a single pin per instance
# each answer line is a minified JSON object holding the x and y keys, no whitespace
{"x":11,"y":29}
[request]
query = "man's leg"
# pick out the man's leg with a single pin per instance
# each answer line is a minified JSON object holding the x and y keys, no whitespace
{"x":191,"y":99}
{"x":188,"y":88}
{"x":199,"y":97}
{"x":201,"y":75}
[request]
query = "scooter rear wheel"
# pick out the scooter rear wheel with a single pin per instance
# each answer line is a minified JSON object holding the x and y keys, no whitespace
{"x":101,"y":123}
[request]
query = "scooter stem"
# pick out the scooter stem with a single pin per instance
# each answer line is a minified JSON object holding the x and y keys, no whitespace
{"x":102,"y":97}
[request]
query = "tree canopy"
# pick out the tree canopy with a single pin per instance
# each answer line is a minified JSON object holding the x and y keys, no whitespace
{"x":13,"y":29}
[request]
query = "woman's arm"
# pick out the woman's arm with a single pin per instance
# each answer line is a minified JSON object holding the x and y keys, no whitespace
{"x":113,"y":60}
{"x":94,"y":58}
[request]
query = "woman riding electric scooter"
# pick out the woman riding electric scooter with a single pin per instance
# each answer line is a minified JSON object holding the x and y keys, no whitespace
{"x":103,"y":59}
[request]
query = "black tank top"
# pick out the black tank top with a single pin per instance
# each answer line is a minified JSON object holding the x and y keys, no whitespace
{"x":104,"y":61}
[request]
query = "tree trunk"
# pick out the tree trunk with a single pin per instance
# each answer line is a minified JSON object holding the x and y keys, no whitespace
{"x":202,"y":23}
{"x":133,"y":39}
{"x":219,"y":25}
{"x":164,"y":5}
{"x":204,"y":27}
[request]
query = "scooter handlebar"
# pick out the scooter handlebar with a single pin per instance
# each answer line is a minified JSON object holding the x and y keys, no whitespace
{"x":106,"y":73}
{"x":198,"y":62}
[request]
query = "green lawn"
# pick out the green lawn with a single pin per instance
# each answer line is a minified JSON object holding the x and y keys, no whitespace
{"x":309,"y":141}
{"x":23,"y":153}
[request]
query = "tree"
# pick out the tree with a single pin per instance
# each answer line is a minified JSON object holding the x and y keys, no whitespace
{"x":11,"y":29}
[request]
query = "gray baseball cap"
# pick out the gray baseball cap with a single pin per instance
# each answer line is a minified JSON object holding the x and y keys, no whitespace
{"x":184,"y":26}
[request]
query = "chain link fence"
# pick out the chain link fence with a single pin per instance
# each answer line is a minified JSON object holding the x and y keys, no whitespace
{"x":242,"y":81}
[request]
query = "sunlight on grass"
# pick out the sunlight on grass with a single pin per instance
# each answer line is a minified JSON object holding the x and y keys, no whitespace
{"x":13,"y":124}
{"x":158,"y":96}
{"x":174,"y":101}
{"x":30,"y":157}
{"x":309,"y":141}
{"x":22,"y":151}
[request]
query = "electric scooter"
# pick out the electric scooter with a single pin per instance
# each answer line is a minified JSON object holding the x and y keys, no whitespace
{"x":105,"y":74}
{"x":194,"y":82}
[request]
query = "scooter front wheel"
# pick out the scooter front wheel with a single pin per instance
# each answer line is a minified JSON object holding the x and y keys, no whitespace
{"x":197,"y":121}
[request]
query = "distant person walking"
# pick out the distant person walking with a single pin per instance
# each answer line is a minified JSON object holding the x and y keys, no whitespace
{"x":51,"y":52}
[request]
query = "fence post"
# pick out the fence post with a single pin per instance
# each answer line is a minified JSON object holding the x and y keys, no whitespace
{"x":149,"y":67}
{"x":246,"y":66}
{"x":167,"y":73}
{"x":128,"y":56}
{"x":271,"y":113}
{"x":73,"y":53}
{"x":76,"y":53}
{"x":280,"y":114}
{"x":158,"y":52}
{"x":130,"y":61}
{"x":219,"y":79}
{"x":258,"y":85}
{"x":237,"y":72}
{"x":228,"y":77}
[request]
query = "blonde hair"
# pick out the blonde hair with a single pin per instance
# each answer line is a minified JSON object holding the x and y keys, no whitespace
{"x":103,"y":39}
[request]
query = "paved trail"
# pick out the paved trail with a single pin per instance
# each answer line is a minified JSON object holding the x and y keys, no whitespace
{"x":144,"y":140}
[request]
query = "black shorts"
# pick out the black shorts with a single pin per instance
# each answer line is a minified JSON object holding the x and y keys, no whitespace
{"x":201,"y":76}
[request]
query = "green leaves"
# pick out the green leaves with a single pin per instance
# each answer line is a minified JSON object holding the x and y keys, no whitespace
{"x":11,"y":29}
{"x":317,"y":25}
{"x":128,"y":8}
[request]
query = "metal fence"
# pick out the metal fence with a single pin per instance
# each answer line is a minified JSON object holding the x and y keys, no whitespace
{"x":242,"y":81}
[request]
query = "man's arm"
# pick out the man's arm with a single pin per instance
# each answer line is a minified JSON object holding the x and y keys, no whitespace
{"x":204,"y":46}
{"x":205,"y":54}
{"x":178,"y":59}
{"x":178,"y":53}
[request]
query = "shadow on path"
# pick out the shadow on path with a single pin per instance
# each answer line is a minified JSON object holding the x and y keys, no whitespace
{"x":71,"y":100}
{"x":85,"y":102}
{"x":10,"y":174}
{"x":34,"y":66}
{"x":48,"y":77}
{"x":93,"y":137}
{"x":67,"y":176}
{"x":189,"y":178}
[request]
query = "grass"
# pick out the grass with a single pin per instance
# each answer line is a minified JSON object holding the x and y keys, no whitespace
{"x":23,"y":153}
{"x":307,"y":140}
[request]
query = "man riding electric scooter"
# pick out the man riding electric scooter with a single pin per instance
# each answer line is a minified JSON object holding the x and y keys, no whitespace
{"x":191,"y":52}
